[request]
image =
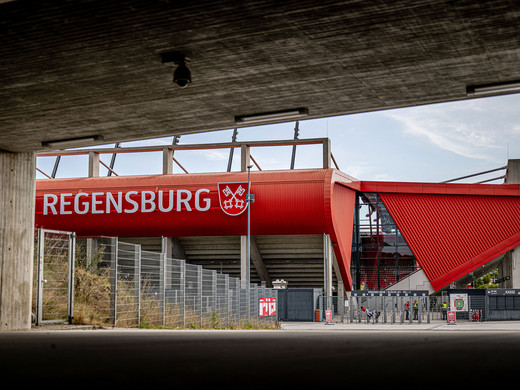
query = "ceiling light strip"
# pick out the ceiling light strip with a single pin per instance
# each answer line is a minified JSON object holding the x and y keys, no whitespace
{"x":272,"y":116}
{"x":477,"y":90}
{"x":71,"y":142}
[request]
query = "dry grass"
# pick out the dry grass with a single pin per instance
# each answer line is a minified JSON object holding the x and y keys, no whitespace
{"x":91,"y":298}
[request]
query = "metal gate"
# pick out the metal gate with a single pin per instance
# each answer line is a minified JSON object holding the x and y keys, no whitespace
{"x":390,"y":306}
{"x":55,"y":277}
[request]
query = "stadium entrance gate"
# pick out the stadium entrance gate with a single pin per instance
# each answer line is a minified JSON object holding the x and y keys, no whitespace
{"x":389,"y":306}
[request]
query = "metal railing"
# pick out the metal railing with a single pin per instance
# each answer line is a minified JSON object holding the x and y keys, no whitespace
{"x":119,"y":284}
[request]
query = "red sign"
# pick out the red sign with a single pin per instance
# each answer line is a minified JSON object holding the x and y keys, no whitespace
{"x":232,"y":197}
{"x":266,"y":307}
{"x":452,"y":317}
{"x":328,"y":315}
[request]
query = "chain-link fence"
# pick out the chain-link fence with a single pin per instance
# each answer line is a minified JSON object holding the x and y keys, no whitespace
{"x":119,"y":284}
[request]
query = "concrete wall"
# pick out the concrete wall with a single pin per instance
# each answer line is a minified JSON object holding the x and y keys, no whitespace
{"x":17,"y":193}
{"x":415,"y":281}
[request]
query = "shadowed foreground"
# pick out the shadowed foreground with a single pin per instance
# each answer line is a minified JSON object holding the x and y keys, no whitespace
{"x":254,"y":359}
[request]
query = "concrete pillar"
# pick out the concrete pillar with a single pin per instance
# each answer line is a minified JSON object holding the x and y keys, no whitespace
{"x":18,"y":189}
{"x":513,"y":172}
{"x":515,"y":269}
{"x":340,"y":285}
{"x":510,"y":266}
{"x":327,"y":270}
{"x":167,"y":161}
{"x":326,"y":154}
{"x":245,"y":157}
{"x":171,"y":246}
{"x":93,"y":164}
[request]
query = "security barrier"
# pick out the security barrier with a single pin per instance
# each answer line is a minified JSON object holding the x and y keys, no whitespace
{"x":389,"y":306}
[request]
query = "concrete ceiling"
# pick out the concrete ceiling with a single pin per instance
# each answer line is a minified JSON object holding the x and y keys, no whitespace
{"x":78,"y":68}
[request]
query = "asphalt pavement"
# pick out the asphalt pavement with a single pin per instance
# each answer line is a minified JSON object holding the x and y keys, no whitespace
{"x":295,"y":356}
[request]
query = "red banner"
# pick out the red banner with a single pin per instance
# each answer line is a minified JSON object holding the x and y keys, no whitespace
{"x":266,"y":307}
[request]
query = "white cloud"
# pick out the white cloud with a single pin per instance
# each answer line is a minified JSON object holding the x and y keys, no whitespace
{"x":213,"y":154}
{"x":473,"y":129}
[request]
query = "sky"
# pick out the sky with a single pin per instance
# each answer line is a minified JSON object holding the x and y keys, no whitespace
{"x":429,"y":143}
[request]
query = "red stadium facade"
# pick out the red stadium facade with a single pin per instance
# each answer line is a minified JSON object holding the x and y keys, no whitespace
{"x":449,"y":230}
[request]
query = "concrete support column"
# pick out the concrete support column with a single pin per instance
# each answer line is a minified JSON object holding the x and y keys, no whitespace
{"x":93,"y":164}
{"x":327,"y":270}
{"x":515,"y":269}
{"x":510,"y":266}
{"x":327,"y":156}
{"x":167,"y":161}
{"x":172,"y":248}
{"x":18,"y":189}
{"x":245,"y":157}
{"x":340,"y":285}
{"x":166,"y":249}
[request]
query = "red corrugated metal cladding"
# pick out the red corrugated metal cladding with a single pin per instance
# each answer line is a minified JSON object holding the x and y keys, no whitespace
{"x":286,"y":202}
{"x":343,"y":201}
{"x":452,"y":235}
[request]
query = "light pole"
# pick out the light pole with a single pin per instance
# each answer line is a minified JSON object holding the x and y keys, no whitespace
{"x":250,"y":198}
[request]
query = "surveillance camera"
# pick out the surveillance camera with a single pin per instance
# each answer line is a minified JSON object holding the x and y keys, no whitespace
{"x":182,"y":76}
{"x":183,"y":83}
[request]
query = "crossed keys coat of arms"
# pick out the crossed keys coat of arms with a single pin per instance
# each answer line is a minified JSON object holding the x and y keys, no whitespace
{"x":232,"y":197}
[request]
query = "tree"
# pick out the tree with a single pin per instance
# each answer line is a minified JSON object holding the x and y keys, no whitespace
{"x":488,"y":280}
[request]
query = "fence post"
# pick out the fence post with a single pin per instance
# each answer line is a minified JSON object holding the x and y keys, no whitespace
{"x":428,"y":308}
{"x":226,"y":297}
{"x":182,"y":283}
{"x":137,"y":281}
{"x":253,"y":303}
{"x":113,"y":279}
{"x":419,"y":310}
{"x":214,"y":290}
{"x":385,"y":299}
{"x":39,"y":278}
{"x":199,"y":292}
{"x":72,"y":261}
{"x":163,"y":287}
{"x":393,"y":310}
{"x":237,"y":296}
